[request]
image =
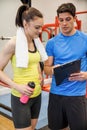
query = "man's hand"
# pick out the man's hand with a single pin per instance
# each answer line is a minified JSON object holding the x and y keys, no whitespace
{"x":78,"y":76}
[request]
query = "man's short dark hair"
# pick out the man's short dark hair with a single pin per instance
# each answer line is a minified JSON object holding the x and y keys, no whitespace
{"x":67,"y":7}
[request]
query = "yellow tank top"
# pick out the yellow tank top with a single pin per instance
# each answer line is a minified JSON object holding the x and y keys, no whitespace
{"x":24,"y":75}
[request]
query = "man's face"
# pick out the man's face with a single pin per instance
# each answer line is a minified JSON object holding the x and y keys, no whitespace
{"x":66,"y":23}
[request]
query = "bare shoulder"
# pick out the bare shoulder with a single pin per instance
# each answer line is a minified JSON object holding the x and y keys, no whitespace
{"x":7,"y":52}
{"x":10,"y":46}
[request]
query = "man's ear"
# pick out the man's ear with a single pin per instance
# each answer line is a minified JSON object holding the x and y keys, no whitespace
{"x":75,"y":17}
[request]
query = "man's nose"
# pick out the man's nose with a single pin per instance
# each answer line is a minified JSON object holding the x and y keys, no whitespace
{"x":64,"y":22}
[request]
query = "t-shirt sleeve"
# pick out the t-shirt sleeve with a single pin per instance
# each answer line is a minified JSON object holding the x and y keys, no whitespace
{"x":49,"y":47}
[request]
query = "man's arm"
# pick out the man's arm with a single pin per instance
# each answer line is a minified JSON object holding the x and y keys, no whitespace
{"x":48,"y":68}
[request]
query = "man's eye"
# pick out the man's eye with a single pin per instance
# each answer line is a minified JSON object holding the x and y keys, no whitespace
{"x":68,"y":19}
{"x":61,"y":20}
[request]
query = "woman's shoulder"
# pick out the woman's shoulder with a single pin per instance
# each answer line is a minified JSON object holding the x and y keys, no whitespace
{"x":10,"y":45}
{"x":12,"y":40}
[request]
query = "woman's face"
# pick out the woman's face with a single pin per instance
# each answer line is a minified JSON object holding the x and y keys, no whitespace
{"x":34,"y":27}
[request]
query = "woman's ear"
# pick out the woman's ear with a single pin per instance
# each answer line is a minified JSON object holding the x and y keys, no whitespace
{"x":24,"y":24}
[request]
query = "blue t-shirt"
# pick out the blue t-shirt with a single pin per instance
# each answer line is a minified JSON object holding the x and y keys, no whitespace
{"x":65,"y":49}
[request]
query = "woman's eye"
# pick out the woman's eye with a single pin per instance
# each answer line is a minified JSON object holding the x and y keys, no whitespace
{"x":37,"y":27}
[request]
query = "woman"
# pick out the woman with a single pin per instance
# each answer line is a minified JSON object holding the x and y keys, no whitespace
{"x":29,"y":22}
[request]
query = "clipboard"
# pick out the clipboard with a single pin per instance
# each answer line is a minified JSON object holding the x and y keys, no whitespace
{"x":63,"y":71}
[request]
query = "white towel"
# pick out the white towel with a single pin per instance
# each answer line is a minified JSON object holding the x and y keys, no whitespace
{"x":21,"y":50}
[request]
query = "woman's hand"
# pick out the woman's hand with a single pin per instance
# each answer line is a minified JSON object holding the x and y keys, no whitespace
{"x":25,"y":89}
{"x":78,"y":76}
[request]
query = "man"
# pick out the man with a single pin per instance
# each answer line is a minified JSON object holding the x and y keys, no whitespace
{"x":67,"y":103}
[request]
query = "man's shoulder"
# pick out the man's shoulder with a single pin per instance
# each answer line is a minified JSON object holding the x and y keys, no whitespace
{"x":83,"y":34}
{"x":56,"y":37}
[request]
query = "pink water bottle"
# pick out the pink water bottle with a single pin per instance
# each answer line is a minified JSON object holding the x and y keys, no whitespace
{"x":24,"y":98}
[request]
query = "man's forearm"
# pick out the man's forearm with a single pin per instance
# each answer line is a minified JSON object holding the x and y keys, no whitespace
{"x":48,"y":70}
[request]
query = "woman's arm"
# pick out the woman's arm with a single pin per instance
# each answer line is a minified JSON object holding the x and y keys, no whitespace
{"x":40,"y":74}
{"x":5,"y":56}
